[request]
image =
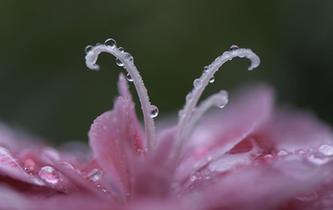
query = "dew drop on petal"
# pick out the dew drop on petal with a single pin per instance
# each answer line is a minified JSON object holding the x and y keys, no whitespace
{"x":153,"y":111}
{"x":193,"y":178}
{"x":49,"y":175}
{"x":129,"y":77}
{"x":326,"y":150}
{"x":95,"y":175}
{"x":29,"y":165}
{"x":308,"y":197}
{"x":282,"y":153}
{"x":110,"y":42}
{"x":233,"y":47}
{"x":317,"y":159}
{"x":119,"y":63}
{"x":88,"y":48}
{"x":212,"y":80}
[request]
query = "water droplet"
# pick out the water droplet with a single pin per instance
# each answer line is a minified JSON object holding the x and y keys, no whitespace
{"x":317,"y":159}
{"x":205,"y":68}
{"x":268,"y":157}
{"x":153,"y":111}
{"x":129,"y":57}
{"x":121,"y":49}
{"x":222,"y":105}
{"x":197,"y":83}
{"x":180,"y":113}
{"x":212,"y":80}
{"x":188,"y":96}
{"x":129,"y":77}
{"x":282,"y":153}
{"x":49,"y":175}
{"x":326,"y":150}
{"x":110,"y":42}
{"x":308,"y":197}
{"x":95,"y":175}
{"x":301,"y":152}
{"x":88,"y":48}
{"x":29,"y":165}
{"x":193,"y":178}
{"x":119,"y":63}
{"x":233,"y":47}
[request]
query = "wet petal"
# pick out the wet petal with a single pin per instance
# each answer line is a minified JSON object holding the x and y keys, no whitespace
{"x":115,"y":137}
{"x":220,"y":132}
{"x":293,"y":130}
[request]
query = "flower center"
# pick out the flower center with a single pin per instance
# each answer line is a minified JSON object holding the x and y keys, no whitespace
{"x":190,"y":115}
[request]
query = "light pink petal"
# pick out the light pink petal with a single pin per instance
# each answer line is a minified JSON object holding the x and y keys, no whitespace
{"x":294,"y":131}
{"x":221,"y":131}
{"x":263,"y":187}
{"x":115,"y":137}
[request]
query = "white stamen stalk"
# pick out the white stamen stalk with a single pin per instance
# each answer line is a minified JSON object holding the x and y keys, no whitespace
{"x":125,"y":60}
{"x":203,"y":81}
{"x":219,"y":99}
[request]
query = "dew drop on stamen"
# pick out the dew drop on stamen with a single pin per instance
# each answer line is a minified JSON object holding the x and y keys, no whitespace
{"x":233,"y":47}
{"x":49,"y":175}
{"x":205,"y":69}
{"x":189,"y":96}
{"x":119,"y":63}
{"x":153,"y":111}
{"x":110,"y":42}
{"x":88,"y":48}
{"x":222,"y":105}
{"x":129,"y":77}
{"x":180,"y":113}
{"x":121,"y":49}
{"x":196,"y":83}
{"x":129,"y":57}
{"x":212,"y":80}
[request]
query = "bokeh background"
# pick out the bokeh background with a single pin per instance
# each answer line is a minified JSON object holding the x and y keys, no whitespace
{"x":46,"y":89}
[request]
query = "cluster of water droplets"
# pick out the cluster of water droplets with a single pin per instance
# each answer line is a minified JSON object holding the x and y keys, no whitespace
{"x":110,"y":42}
{"x":320,"y":156}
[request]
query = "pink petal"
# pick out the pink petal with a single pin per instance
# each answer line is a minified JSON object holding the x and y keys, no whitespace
{"x":263,"y":187}
{"x":220,"y":132}
{"x":295,"y":130}
{"x":115,"y":137}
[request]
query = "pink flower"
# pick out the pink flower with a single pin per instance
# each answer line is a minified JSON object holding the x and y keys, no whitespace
{"x":248,"y":156}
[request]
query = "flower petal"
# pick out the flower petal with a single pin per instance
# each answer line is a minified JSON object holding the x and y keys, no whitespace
{"x":294,"y":130}
{"x":219,"y":133}
{"x":115,"y":137}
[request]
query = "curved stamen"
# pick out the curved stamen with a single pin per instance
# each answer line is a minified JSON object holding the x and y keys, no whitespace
{"x":219,"y":99}
{"x":200,"y":84}
{"x":125,"y":60}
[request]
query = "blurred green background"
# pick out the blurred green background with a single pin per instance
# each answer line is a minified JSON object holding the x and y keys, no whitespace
{"x":46,"y":89}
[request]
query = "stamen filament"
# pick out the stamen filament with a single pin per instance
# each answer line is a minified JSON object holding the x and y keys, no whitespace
{"x":219,"y":99}
{"x":127,"y":62}
{"x":203,"y":81}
